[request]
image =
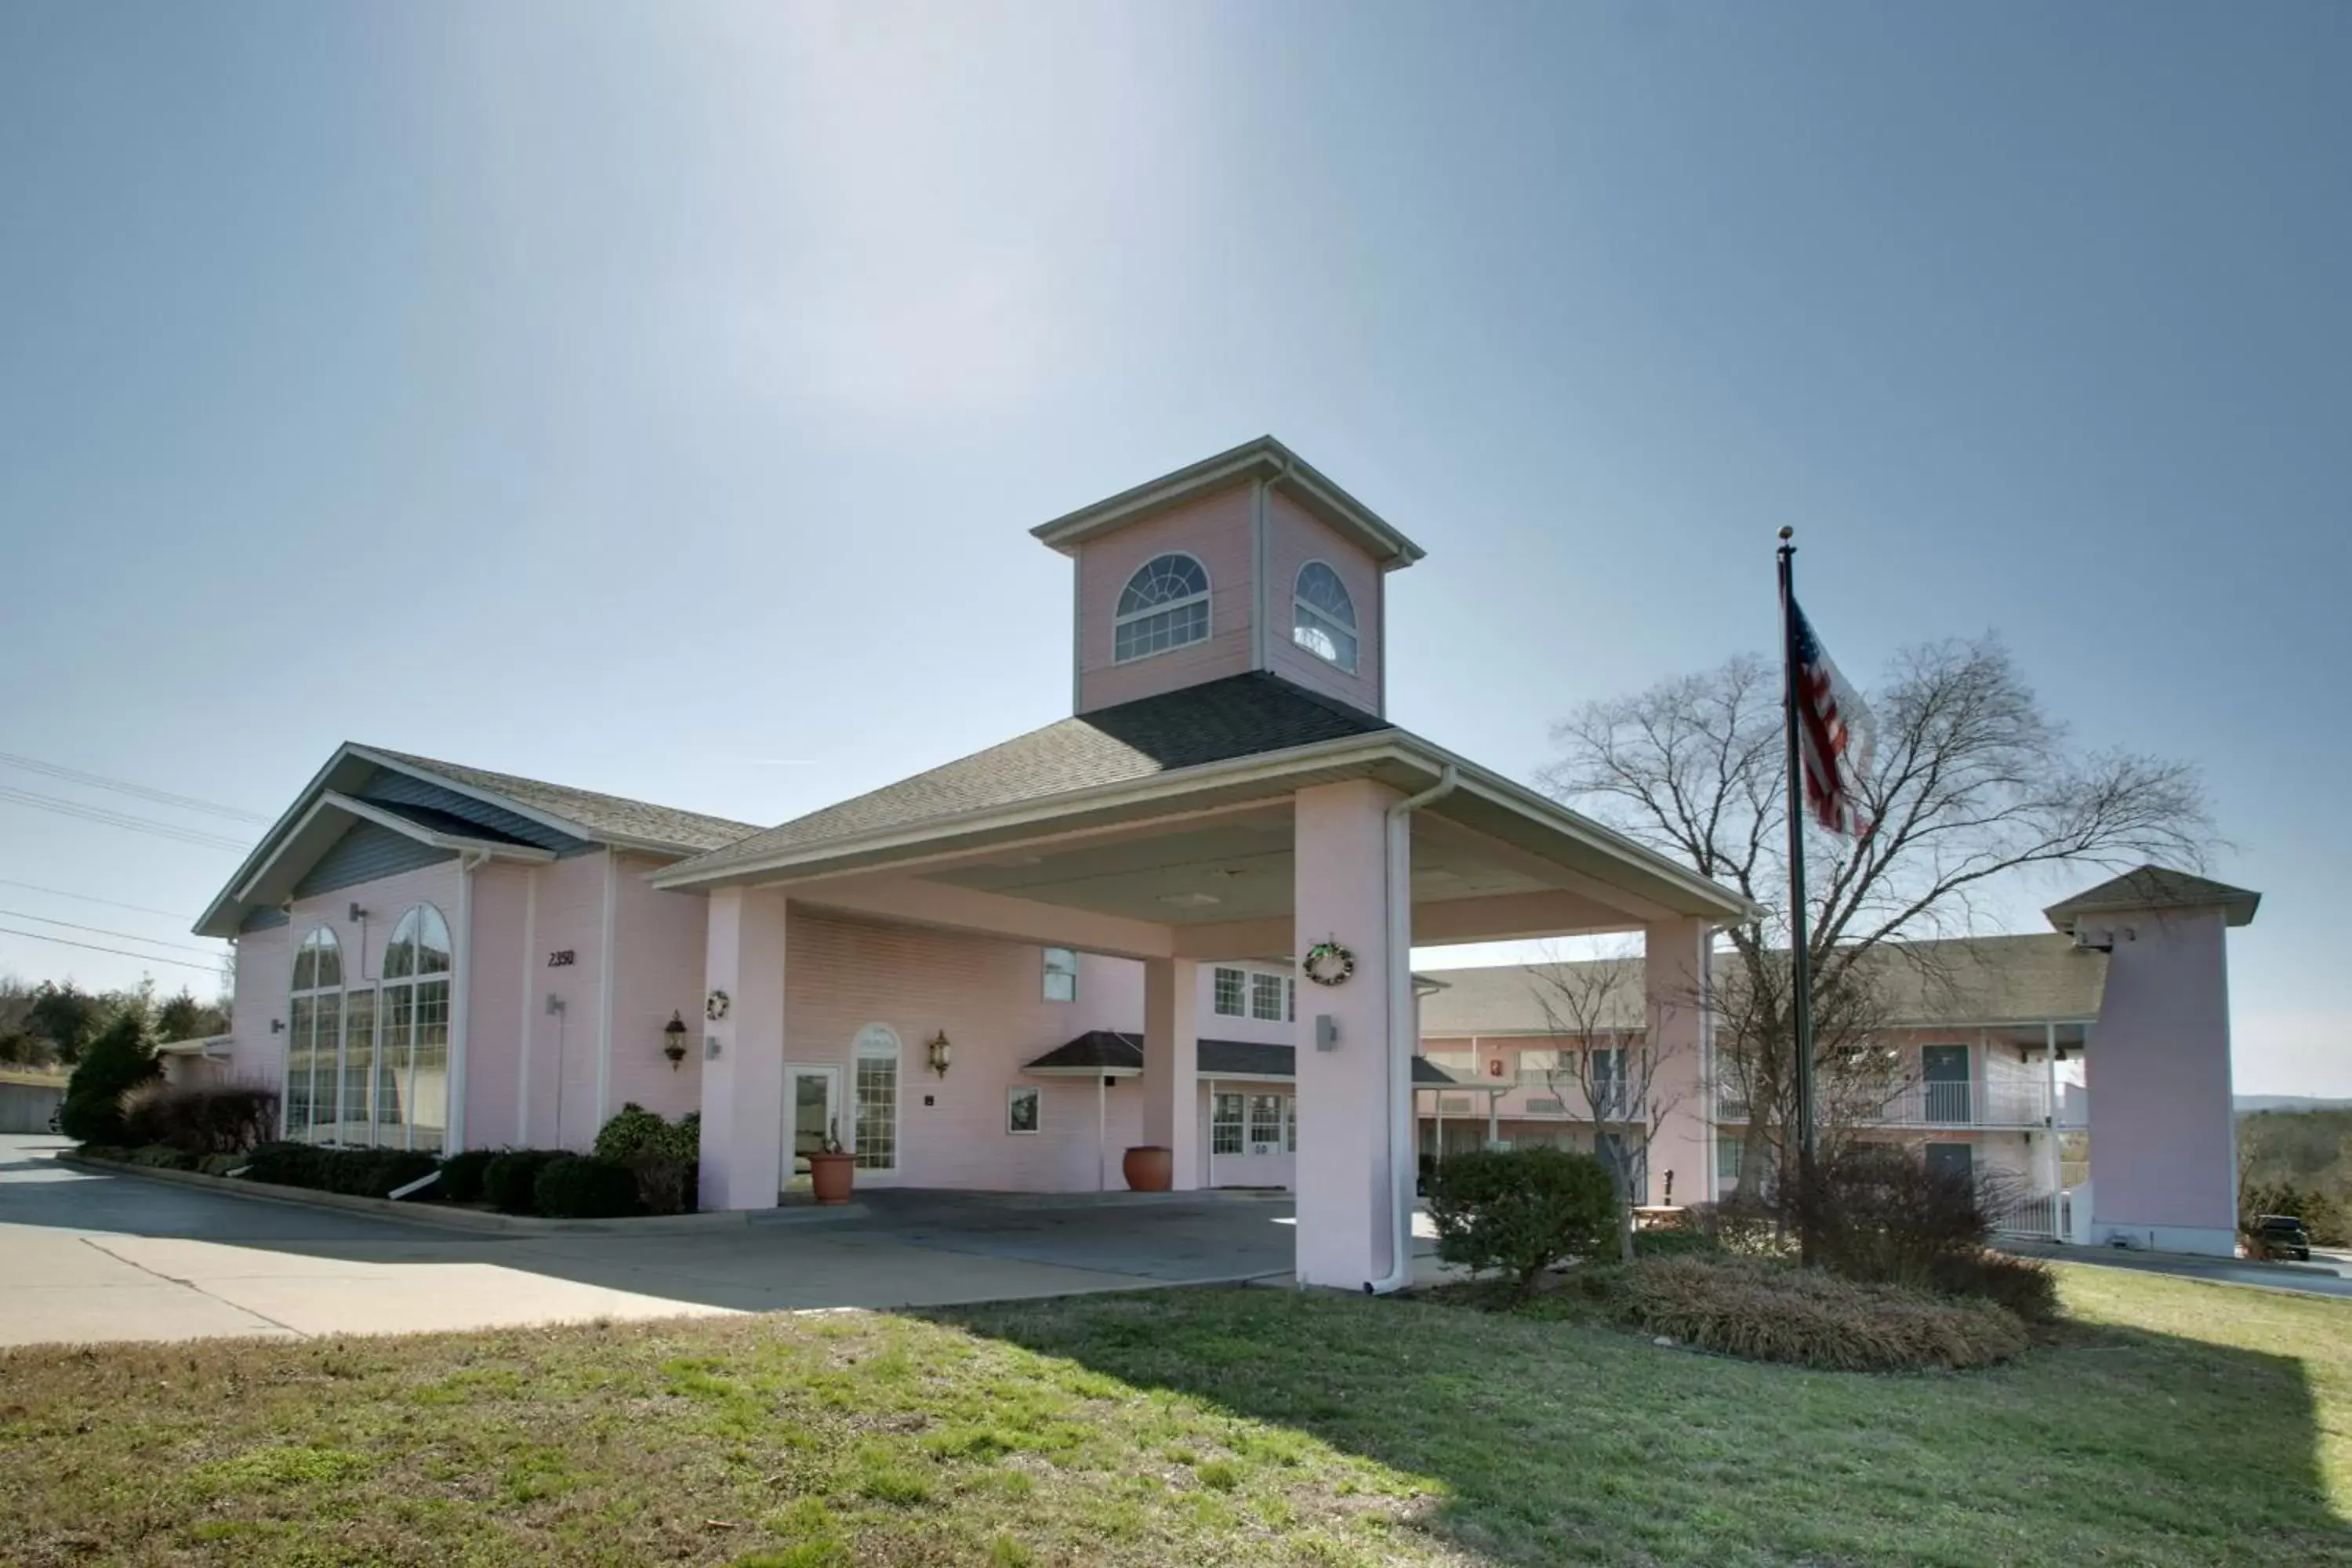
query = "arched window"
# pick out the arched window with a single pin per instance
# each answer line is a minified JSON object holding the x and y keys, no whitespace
{"x":412,"y":1070}
{"x":1323,"y":618}
{"x":314,"y":1033}
{"x":1165,"y":605}
{"x":877,"y":1104}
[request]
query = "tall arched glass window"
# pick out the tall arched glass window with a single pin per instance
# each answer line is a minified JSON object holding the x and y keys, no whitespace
{"x":314,"y":1033}
{"x":1323,"y":618}
{"x":1165,"y":605}
{"x":875,"y":1109}
{"x":412,"y":1070}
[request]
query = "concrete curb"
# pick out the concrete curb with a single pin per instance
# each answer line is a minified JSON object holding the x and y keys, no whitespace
{"x":475,"y":1221}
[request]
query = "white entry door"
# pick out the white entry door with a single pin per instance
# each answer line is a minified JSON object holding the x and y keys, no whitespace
{"x":812,"y":1109}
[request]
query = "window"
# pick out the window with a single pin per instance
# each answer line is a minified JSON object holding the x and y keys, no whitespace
{"x":1266,"y":1001}
{"x":1950,"y":1159}
{"x":1164,"y":605}
{"x":314,"y":1033}
{"x":1228,"y":1002}
{"x":412,"y":1057}
{"x":1290,"y":1125}
{"x":1266,"y":1123}
{"x":1225,"y":1124}
{"x":1061,"y":975}
{"x":1323,"y":618}
{"x":1538,"y":1066}
{"x":1609,"y":1086}
{"x":1461,"y":1064}
{"x":1021,"y":1108}
{"x":876,"y":1116}
{"x":357,"y":1122}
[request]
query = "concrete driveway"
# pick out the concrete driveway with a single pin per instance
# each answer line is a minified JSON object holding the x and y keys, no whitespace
{"x":90,"y":1258}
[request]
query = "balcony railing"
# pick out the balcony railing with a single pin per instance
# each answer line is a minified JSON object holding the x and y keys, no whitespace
{"x":2001,"y":1102}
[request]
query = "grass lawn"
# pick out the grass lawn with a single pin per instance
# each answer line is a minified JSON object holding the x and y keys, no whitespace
{"x":2177,"y":1423}
{"x":38,"y":1078}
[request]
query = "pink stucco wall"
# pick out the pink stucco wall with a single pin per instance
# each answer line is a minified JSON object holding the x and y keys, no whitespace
{"x":496,"y":986}
{"x":567,"y":915}
{"x":656,"y":971}
{"x":1293,"y":539}
{"x":2163,"y":1140}
{"x":265,"y":962}
{"x":988,"y":997}
{"x":1216,"y":528}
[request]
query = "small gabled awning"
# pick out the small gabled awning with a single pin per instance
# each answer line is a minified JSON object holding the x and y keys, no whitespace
{"x":1109,"y":1053}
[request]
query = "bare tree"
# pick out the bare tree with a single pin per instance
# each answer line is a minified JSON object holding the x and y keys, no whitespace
{"x":1972,"y":785}
{"x":1622,"y":1078}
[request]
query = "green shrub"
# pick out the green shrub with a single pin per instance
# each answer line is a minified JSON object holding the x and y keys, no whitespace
{"x":2024,"y":1285}
{"x":586,"y":1187}
{"x":511,"y":1180}
{"x":287,"y":1164}
{"x":119,"y":1061}
{"x":162,"y":1157}
{"x":1764,"y":1310}
{"x":1521,"y":1211}
{"x":1882,"y":1216}
{"x":204,"y":1119}
{"x":1674,"y":1243}
{"x":461,"y":1175}
{"x":373,"y":1172}
{"x":221,"y":1164}
{"x":628,"y":1131}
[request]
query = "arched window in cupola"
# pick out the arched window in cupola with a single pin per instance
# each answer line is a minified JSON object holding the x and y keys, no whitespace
{"x":1164,"y":605}
{"x":1323,"y":618}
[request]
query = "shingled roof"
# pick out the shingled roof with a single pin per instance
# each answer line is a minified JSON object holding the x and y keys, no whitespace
{"x":1215,"y":721}
{"x":1113,"y":1051}
{"x":2156,"y":887}
{"x":603,"y":817}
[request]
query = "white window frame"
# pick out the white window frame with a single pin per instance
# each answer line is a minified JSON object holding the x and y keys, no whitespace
{"x":1325,"y":623}
{"x":1205,"y":598}
{"x":1240,"y":1008}
{"x":412,"y":982}
{"x":317,"y":943}
{"x":879,"y":1042}
{"x":1271,"y":1142}
{"x":1261,"y":982}
{"x":1220,"y":1124}
{"x":1066,"y":971}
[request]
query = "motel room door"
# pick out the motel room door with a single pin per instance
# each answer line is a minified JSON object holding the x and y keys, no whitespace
{"x":812,"y":1105}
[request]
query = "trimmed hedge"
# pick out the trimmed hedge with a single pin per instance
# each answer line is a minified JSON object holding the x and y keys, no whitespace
{"x":666,"y":1156}
{"x":511,"y":1180}
{"x":461,"y":1175}
{"x":162,"y":1157}
{"x":204,"y":1119}
{"x":585,"y":1187}
{"x":1521,"y":1211}
{"x":357,"y":1172}
{"x":1761,"y":1311}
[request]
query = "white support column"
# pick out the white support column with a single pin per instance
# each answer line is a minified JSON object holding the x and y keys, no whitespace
{"x":743,"y":1084}
{"x":1171,"y":1091}
{"x":1674,"y":972}
{"x":1102,"y":1133}
{"x":1349,"y":1222}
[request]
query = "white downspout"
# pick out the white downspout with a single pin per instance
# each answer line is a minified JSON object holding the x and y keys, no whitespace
{"x":1401,"y":1041}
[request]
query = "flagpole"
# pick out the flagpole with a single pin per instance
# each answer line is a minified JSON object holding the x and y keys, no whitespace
{"x":1801,"y":958}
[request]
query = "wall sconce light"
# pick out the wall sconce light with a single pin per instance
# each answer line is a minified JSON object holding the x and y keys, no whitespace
{"x":941,"y":1053}
{"x":674,"y":1040}
{"x":277,"y":1025}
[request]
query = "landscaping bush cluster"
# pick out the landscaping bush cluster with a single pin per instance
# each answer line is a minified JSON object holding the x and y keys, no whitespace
{"x":356,"y":1173}
{"x":664,"y":1156}
{"x":203,"y":1119}
{"x":1518,"y":1212}
{"x":461,"y":1175}
{"x":510,"y":1179}
{"x":1768,"y":1310}
{"x":118,"y":1059}
{"x":585,"y":1187}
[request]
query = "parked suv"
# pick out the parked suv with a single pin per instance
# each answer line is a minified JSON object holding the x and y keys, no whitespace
{"x":2283,"y":1236}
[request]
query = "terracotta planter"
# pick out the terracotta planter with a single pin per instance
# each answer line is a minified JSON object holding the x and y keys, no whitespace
{"x":1150,"y":1168}
{"x":830,"y":1176}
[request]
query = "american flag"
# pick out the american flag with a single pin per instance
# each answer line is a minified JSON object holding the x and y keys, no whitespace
{"x":1833,"y":736}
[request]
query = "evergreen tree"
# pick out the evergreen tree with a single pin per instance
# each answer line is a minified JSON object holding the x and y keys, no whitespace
{"x":120,"y":1058}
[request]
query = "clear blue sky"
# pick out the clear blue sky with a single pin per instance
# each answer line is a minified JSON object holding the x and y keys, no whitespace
{"x":651,"y":397}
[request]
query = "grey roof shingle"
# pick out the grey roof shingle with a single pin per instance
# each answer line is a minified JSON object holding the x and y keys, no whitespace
{"x":1109,"y":1050}
{"x":2156,"y":887}
{"x":447,"y":822}
{"x":1965,"y":980}
{"x":601,"y":816}
{"x":1215,"y":721}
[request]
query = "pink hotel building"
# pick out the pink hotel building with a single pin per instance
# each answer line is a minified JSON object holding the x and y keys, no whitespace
{"x":1000,"y":973}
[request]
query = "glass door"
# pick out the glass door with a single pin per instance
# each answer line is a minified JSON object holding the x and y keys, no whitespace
{"x":812,"y":1109}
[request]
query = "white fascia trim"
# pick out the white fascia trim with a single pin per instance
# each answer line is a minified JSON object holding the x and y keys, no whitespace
{"x":334,"y":800}
{"x":266,"y":847}
{"x":1264,"y":766}
{"x":547,"y":819}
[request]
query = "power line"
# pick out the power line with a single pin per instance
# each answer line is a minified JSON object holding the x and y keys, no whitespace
{"x":93,"y":898}
{"x":101,"y":930}
{"x":123,"y":952}
{"x":125,"y":786}
{"x":121,"y":820}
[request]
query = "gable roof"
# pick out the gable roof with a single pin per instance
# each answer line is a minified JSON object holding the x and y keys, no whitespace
{"x":1215,"y":721}
{"x":602,"y":818}
{"x":498,"y":815}
{"x":1263,"y":458}
{"x":2156,"y":887}
{"x":1976,"y":980}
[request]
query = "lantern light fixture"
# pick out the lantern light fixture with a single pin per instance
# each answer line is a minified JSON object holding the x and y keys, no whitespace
{"x":941,"y":1053}
{"x":674,"y":1040}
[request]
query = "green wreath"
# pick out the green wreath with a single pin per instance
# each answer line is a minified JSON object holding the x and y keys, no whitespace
{"x":1329,"y":964}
